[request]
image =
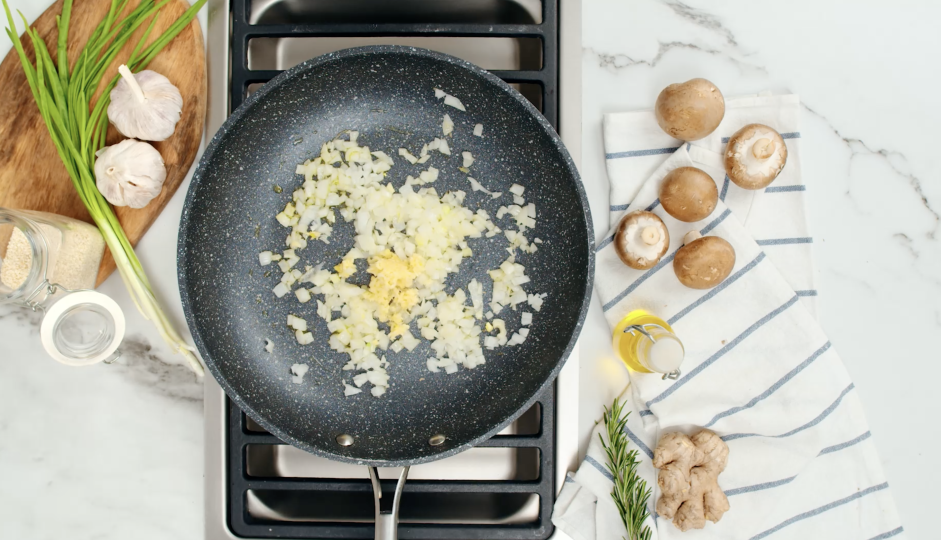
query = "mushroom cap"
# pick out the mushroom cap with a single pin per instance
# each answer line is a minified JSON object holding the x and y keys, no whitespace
{"x":689,"y":111}
{"x":704,"y":263}
{"x":688,"y":194}
{"x":755,"y":156}
{"x":631,"y":246}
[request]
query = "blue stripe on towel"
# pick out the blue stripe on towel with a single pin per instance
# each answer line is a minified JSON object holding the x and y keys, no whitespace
{"x":715,"y":223}
{"x":715,"y":290}
{"x":759,"y":487}
{"x":619,"y":207}
{"x":826,"y":412}
{"x":640,"y":444}
{"x":638,"y":153}
{"x":807,"y":292}
{"x":821,"y":509}
{"x":787,"y":135}
{"x":725,"y":188}
{"x":601,"y":468}
{"x":890,"y":534}
{"x":774,"y":387}
{"x":847,"y":444}
{"x":645,"y":412}
{"x":653,"y":205}
{"x":604,"y":243}
{"x":663,"y":262}
{"x":614,"y":301}
{"x":785,"y":189}
{"x":776,"y":483}
{"x":783,"y":241}
{"x":729,"y":346}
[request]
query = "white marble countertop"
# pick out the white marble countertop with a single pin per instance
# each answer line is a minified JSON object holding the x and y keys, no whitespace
{"x":116,"y":452}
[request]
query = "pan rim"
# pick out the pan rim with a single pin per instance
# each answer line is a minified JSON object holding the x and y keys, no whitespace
{"x":212,"y":148}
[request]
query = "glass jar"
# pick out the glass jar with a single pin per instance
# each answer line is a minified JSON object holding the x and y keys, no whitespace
{"x":50,"y":263}
{"x":647,"y":344}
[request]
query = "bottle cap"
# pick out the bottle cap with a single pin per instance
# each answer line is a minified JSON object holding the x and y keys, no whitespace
{"x":82,"y":328}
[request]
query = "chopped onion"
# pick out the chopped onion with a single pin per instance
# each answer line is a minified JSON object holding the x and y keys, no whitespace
{"x":526,"y":319}
{"x":408,"y":156}
{"x":269,"y":345}
{"x":477,"y":297}
{"x":517,"y":189}
{"x":519,"y":200}
{"x":412,"y":239}
{"x":350,"y":390}
{"x":439,"y":93}
{"x":297,"y":323}
{"x":447,"y":126}
{"x":536,"y":300}
{"x":280,"y":290}
{"x":477,"y":186}
{"x":303,"y":295}
{"x":454,"y":102}
{"x":264,"y":258}
{"x":479,"y":130}
{"x":304,"y":338}
{"x":298,"y":371}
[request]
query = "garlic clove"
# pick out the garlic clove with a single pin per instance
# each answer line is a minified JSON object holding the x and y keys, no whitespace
{"x":130,"y":173}
{"x":145,"y":105}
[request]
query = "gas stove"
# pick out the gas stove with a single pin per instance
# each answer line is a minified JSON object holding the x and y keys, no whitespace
{"x":259,"y":487}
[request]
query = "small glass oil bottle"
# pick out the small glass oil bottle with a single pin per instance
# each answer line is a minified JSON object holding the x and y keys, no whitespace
{"x":647,"y":344}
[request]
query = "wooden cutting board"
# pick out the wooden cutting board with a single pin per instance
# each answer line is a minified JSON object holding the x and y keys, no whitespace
{"x":31,"y":175}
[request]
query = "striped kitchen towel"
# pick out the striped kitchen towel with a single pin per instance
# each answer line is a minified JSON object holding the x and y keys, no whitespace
{"x":758,"y":371}
{"x":637,"y":150}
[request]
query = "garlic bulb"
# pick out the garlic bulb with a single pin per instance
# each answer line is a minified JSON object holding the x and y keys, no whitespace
{"x":145,"y":106}
{"x":130,"y":173}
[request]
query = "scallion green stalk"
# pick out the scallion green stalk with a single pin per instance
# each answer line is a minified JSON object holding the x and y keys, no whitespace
{"x":78,"y":127}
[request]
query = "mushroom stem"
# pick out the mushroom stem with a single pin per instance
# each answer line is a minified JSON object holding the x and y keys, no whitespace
{"x":131,"y":82}
{"x":763,"y":148}
{"x":650,"y":235}
{"x":691,"y":237}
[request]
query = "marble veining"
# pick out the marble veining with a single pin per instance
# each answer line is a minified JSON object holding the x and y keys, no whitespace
{"x":142,"y":366}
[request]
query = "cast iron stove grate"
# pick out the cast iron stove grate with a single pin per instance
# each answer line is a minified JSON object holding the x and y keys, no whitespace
{"x":357,"y":493}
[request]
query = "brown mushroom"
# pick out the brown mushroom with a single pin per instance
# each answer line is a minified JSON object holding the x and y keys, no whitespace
{"x":688,"y":194}
{"x":689,"y":111}
{"x":755,"y":156}
{"x":641,"y":239}
{"x":704,"y":261}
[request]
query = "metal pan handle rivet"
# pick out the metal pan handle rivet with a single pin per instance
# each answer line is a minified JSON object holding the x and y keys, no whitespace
{"x":437,"y":440}
{"x":344,"y":440}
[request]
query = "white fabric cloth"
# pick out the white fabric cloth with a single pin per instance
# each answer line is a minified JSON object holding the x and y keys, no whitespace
{"x":758,"y":369}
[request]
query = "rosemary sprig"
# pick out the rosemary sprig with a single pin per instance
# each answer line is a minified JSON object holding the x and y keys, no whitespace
{"x":77,"y":126}
{"x":630,"y":493}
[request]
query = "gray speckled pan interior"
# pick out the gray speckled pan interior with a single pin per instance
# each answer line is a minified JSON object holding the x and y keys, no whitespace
{"x":385,"y":93}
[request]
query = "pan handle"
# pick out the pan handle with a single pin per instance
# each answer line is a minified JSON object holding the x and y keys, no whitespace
{"x":387,"y":520}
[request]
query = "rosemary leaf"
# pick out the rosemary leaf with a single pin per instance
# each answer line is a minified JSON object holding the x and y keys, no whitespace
{"x":630,"y":492}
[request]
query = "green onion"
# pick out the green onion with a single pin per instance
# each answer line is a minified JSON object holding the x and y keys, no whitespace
{"x":78,"y":126}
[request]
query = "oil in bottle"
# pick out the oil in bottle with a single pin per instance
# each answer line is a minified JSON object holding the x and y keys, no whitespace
{"x":647,"y":344}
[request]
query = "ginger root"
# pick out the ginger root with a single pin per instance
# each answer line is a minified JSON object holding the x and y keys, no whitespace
{"x":689,"y":478}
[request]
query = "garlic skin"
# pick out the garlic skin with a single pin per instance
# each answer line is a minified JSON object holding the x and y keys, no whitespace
{"x":145,"y":106}
{"x":130,"y":173}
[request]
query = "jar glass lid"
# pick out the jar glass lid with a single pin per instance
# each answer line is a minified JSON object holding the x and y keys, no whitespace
{"x":83,"y":328}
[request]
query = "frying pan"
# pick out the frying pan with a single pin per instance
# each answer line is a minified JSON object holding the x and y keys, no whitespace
{"x":246,"y":176}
